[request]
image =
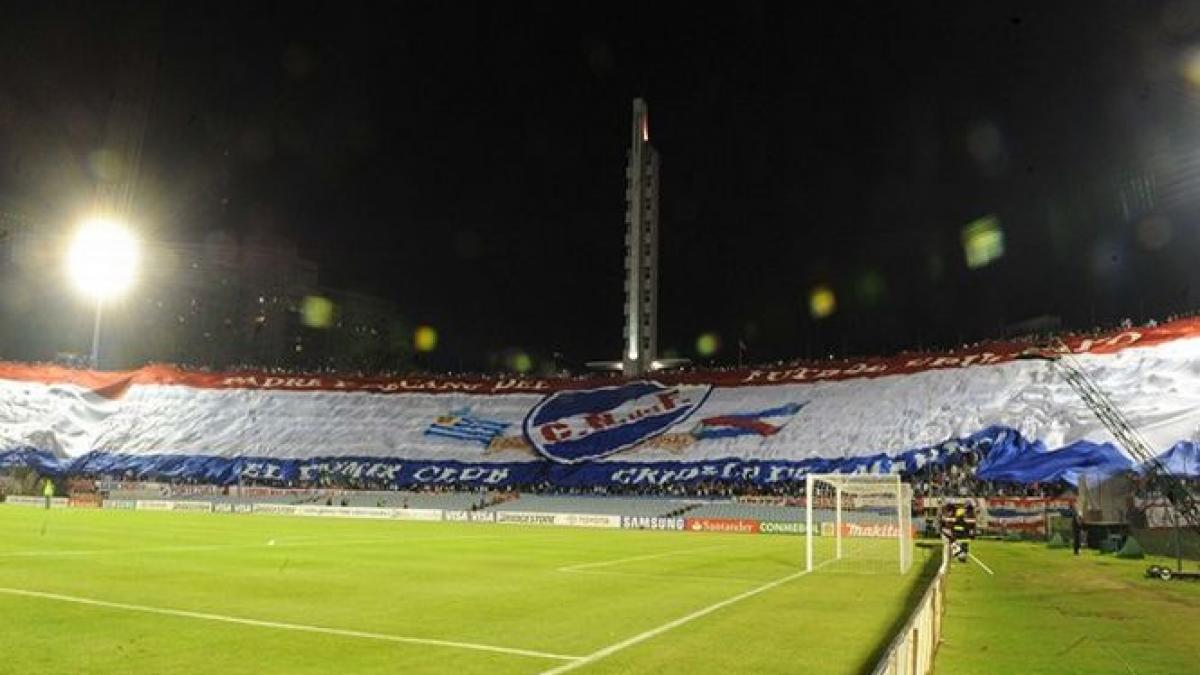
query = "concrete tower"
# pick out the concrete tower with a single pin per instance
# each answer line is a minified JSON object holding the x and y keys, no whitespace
{"x":641,"y":247}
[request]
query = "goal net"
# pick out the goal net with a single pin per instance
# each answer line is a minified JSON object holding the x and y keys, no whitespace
{"x":858,"y":523}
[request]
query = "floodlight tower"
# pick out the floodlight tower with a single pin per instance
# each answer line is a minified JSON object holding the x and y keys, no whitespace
{"x":640,"y":350}
{"x":102,"y":261}
{"x":641,"y":247}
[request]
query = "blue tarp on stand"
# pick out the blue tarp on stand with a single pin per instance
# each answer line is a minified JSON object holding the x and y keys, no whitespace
{"x":1018,"y":460}
{"x":1183,"y":459}
{"x":41,"y":461}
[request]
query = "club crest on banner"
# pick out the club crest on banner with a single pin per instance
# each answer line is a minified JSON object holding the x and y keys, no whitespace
{"x":585,"y":424}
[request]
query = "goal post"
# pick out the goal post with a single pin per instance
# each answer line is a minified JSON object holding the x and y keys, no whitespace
{"x":862,"y":522}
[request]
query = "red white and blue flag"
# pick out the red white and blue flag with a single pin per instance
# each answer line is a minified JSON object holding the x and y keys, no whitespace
{"x":761,"y":423}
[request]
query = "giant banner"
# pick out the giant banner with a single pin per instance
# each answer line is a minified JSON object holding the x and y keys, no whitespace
{"x":762,"y":426}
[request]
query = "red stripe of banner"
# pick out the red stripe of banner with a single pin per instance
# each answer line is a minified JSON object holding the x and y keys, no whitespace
{"x":112,"y":384}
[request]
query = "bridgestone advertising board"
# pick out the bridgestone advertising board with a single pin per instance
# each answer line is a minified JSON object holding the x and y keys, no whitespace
{"x":277,"y":509}
{"x":519,"y":518}
{"x":21,"y":500}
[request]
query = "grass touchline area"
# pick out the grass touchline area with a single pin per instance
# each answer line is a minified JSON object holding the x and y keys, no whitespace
{"x":109,"y":592}
{"x":1048,"y":611}
{"x":205,"y":616}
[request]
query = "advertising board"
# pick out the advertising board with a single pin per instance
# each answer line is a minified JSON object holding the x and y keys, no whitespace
{"x":781,"y":527}
{"x":651,"y":523}
{"x":729,"y":525}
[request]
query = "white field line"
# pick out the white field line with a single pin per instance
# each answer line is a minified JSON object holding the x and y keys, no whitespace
{"x":665,"y":577}
{"x":618,"y":561}
{"x":654,"y":632}
{"x":205,"y":616}
{"x":48,"y":553}
{"x":985,"y":567}
{"x":283,"y":543}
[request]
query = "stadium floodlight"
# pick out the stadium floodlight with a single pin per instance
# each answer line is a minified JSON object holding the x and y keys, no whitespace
{"x":858,"y":522}
{"x":102,"y":261}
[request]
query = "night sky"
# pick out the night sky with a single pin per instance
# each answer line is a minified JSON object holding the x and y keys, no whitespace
{"x":467,"y":160}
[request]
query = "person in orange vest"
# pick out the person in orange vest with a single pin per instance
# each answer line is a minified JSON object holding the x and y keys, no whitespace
{"x":958,"y":528}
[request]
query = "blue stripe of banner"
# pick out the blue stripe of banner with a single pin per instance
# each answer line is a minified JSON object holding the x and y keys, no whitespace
{"x":453,"y":433}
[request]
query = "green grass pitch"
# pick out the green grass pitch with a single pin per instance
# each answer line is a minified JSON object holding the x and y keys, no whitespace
{"x":100,"y":592}
{"x":1049,"y":612}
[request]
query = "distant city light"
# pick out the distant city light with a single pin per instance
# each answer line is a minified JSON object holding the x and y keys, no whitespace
{"x":708,"y":344}
{"x":316,"y":312}
{"x":822,"y":302}
{"x":425,"y":339}
{"x":983,"y":241}
{"x":103,"y":258}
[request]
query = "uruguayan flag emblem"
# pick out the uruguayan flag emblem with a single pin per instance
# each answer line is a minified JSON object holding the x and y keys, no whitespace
{"x":459,"y":425}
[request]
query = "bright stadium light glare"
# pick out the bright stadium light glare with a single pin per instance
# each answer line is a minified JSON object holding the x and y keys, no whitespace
{"x":102,"y":262}
{"x":103,"y":258}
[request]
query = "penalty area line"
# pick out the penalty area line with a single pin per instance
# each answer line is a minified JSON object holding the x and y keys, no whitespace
{"x":205,"y":616}
{"x":652,"y":556}
{"x":659,"y":630}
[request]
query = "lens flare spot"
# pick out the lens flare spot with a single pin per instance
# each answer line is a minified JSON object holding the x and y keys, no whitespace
{"x":316,"y":312}
{"x":871,"y":288}
{"x":983,"y":241}
{"x":1191,"y":68}
{"x":520,"y":362}
{"x":708,"y":344}
{"x":425,"y":339}
{"x":1154,"y":232}
{"x":822,"y":302}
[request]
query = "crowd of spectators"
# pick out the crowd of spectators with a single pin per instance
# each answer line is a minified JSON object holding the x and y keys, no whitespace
{"x":1031,"y":339}
{"x":947,"y":481}
{"x":1145,"y":487}
{"x":957,"y":478}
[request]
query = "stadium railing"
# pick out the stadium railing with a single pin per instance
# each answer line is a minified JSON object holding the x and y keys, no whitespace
{"x":912,"y":650}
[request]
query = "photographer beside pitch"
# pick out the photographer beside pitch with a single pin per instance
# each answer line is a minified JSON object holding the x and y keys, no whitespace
{"x":1076,"y":530}
{"x":958,"y":528}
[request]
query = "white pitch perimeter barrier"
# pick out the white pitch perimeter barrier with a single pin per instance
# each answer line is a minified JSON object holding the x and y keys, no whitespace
{"x":911,"y":652}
